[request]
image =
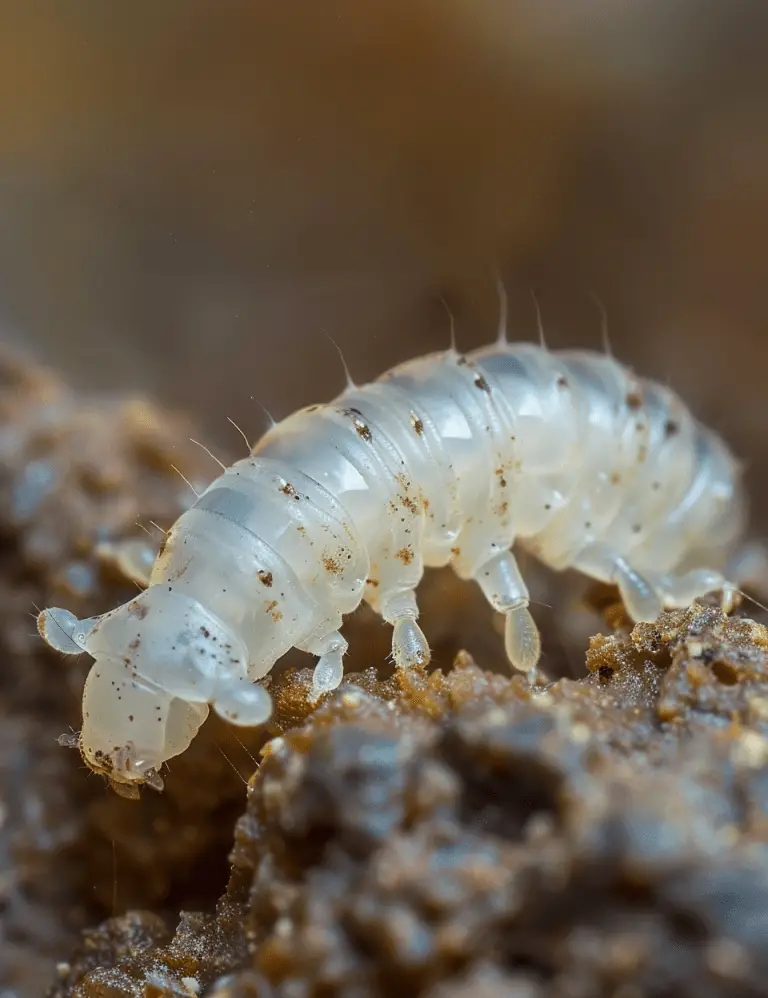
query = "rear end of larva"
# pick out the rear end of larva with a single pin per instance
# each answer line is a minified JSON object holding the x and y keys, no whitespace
{"x":445,"y":459}
{"x":656,"y":502}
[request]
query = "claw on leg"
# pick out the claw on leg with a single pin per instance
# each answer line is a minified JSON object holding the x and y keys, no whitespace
{"x":410,"y":647}
{"x":729,"y":597}
{"x":522,"y":641}
{"x":506,"y":591}
{"x":684,"y":589}
{"x":640,"y":598}
{"x":329,"y":670}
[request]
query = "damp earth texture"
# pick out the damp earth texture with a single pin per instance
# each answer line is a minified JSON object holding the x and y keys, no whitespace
{"x":440,"y":832}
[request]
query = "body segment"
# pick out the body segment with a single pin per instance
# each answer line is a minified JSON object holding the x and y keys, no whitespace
{"x":445,"y":459}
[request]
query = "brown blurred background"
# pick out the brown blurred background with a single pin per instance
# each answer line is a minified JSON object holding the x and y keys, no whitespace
{"x":195,"y":196}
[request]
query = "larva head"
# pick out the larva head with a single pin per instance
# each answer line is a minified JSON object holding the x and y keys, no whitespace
{"x":130,"y":728}
{"x":159,"y":660}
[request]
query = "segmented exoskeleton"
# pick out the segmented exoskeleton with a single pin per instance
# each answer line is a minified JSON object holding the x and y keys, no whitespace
{"x":444,"y":459}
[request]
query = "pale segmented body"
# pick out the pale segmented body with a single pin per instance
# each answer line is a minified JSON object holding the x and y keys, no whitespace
{"x":445,"y":459}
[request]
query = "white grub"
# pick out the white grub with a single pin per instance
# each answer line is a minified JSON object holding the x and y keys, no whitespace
{"x":446,"y":459}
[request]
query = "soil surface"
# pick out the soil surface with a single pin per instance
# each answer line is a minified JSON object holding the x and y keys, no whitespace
{"x":446,"y":835}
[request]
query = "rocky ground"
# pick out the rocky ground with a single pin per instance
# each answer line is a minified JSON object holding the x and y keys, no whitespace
{"x":454,"y":835}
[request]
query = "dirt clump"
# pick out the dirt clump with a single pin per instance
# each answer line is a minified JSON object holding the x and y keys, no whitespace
{"x":74,"y":478}
{"x":459,"y":835}
{"x":439,"y":835}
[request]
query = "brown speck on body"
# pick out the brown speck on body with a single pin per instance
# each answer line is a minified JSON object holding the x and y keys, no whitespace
{"x":288,"y":490}
{"x":362,"y":428}
{"x":270,"y":607}
{"x":265,"y":578}
{"x":331,"y":565}
{"x":634,"y":400}
{"x":417,"y":424}
{"x":671,"y":428}
{"x":562,"y":382}
{"x":405,"y":555}
{"x":410,"y":504}
{"x":482,"y":384}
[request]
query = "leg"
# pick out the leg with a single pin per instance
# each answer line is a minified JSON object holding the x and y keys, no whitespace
{"x":646,"y":597}
{"x":62,"y":630}
{"x":640,"y":596}
{"x":134,"y":558}
{"x":748,"y":567}
{"x":409,"y":646}
{"x":678,"y":591}
{"x":242,"y":702}
{"x":329,"y":670}
{"x":505,"y":590}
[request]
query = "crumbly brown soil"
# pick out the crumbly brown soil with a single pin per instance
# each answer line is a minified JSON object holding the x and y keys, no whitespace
{"x":453,"y":835}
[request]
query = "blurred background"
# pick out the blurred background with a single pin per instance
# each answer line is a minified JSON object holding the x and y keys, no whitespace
{"x":195,"y":196}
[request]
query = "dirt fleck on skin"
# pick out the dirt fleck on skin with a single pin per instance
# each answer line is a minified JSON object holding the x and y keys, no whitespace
{"x":332,"y":565}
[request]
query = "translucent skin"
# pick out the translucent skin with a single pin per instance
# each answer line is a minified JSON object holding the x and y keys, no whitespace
{"x":445,"y":459}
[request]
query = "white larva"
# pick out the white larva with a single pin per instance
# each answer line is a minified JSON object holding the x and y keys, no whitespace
{"x":445,"y":459}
